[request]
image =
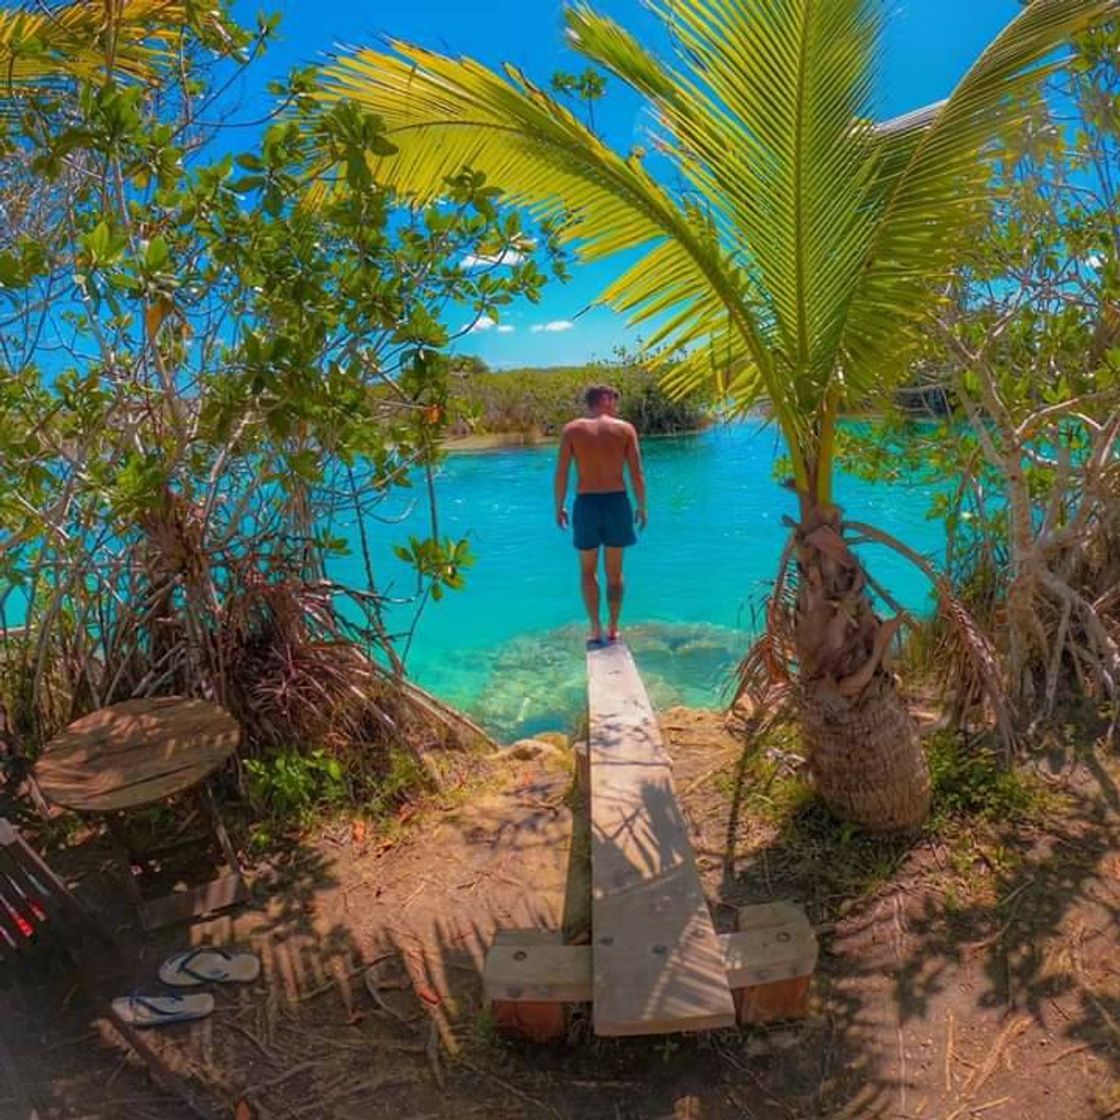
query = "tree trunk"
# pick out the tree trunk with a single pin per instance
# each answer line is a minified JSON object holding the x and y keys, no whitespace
{"x":863,"y":746}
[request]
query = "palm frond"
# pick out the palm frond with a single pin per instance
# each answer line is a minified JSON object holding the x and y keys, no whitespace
{"x":88,"y":40}
{"x":800,"y":263}
{"x":763,"y":119}
{"x":445,"y":114}
{"x":766,"y":677}
{"x":786,"y":85}
{"x":934,"y":183}
{"x":973,"y":669}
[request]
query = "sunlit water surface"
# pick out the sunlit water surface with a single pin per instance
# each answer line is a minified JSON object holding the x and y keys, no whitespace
{"x":509,"y":648}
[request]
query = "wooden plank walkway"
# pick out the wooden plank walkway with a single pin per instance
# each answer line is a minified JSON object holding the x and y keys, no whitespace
{"x":657,"y":965}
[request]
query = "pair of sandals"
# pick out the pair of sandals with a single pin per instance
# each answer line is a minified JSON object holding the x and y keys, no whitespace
{"x":190,"y":969}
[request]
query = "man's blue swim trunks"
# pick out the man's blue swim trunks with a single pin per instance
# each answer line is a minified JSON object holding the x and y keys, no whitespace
{"x":603,"y":519}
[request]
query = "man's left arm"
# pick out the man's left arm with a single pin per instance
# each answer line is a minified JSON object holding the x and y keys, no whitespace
{"x":560,"y":482}
{"x":637,"y":478}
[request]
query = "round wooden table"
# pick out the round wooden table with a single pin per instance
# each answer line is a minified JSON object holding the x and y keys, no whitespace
{"x":142,"y":751}
{"x":135,"y":753}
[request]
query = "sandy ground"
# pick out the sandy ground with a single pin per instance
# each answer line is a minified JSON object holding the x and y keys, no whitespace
{"x":943,"y":991}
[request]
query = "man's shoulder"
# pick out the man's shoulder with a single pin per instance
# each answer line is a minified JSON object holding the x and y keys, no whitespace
{"x":598,"y":426}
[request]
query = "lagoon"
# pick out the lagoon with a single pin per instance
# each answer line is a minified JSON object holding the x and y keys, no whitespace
{"x":508,"y":648}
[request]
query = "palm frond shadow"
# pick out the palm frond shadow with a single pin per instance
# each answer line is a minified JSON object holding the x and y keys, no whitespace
{"x":903,"y":959}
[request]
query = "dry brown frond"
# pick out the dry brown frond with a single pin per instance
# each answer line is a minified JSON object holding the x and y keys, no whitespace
{"x":973,"y":676}
{"x":766,"y":674}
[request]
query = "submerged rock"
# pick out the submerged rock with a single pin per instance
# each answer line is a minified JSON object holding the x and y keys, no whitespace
{"x":537,"y":683}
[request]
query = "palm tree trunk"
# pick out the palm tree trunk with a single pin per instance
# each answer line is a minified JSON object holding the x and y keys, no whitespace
{"x":863,"y":746}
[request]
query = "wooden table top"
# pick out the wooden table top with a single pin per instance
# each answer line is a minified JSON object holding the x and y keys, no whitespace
{"x":135,"y":753}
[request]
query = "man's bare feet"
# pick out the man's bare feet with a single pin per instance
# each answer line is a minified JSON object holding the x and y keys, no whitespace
{"x":614,"y":634}
{"x":595,"y":639}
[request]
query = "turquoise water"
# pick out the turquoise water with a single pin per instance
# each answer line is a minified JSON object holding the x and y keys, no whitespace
{"x":509,"y":648}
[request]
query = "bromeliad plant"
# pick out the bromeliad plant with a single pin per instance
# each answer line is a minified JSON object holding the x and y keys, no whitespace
{"x":800,"y":265}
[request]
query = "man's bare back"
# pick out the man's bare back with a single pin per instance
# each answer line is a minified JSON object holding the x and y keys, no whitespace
{"x":600,"y":446}
{"x":603,"y":447}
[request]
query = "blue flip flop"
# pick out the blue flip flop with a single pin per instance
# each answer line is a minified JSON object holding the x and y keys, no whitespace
{"x":157,"y":1011}
{"x":208,"y":964}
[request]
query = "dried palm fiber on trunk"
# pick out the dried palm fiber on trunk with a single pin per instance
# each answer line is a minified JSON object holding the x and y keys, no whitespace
{"x":824,"y":652}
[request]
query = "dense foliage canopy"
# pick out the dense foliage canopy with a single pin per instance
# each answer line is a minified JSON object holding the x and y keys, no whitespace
{"x":208,"y":386}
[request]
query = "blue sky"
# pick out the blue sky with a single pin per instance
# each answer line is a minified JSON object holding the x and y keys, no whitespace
{"x":929,"y":45}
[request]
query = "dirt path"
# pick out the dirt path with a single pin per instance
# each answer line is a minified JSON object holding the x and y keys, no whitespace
{"x":953,"y":983}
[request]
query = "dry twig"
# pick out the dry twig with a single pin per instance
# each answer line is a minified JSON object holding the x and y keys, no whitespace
{"x":1009,"y":1033}
{"x":949,"y":1052}
{"x":1067,"y":1052}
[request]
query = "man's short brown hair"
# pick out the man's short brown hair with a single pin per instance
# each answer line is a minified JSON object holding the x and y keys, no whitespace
{"x":593,"y":395}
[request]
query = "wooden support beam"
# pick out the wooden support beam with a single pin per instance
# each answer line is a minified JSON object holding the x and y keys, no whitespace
{"x":530,"y":976}
{"x":545,"y":972}
{"x":531,"y":979}
{"x":533,"y":936}
{"x":657,"y":966}
{"x":534,"y":1022}
{"x":774,"y":1002}
{"x":775,"y":952}
{"x":770,"y":962}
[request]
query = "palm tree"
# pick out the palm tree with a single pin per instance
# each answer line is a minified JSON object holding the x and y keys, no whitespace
{"x":799,"y":264}
{"x":42,"y":45}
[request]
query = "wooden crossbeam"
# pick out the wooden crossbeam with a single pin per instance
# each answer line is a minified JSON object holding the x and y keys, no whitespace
{"x":657,"y":965}
{"x":527,"y":973}
{"x":530,"y":974}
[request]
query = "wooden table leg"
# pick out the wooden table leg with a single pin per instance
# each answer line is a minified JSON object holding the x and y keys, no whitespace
{"x":222,"y":892}
{"x":122,"y":850}
{"x":24,"y":1102}
{"x":218,"y":825}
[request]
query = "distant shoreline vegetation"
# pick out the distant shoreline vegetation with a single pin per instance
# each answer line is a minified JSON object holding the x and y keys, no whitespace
{"x":525,"y":406}
{"x":490,"y":409}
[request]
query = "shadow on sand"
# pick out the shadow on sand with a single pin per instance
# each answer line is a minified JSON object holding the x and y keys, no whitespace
{"x":370,"y":998}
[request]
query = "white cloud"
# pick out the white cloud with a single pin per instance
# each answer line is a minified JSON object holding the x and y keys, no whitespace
{"x":555,"y":325}
{"x":484,"y":323}
{"x":507,"y":258}
{"x":506,"y":328}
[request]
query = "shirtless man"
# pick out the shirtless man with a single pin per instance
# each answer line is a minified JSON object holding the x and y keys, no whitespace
{"x":601,"y":518}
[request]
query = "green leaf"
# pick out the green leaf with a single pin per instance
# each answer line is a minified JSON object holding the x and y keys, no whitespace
{"x":157,"y":255}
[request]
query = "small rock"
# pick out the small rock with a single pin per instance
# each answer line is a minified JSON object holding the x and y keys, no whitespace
{"x":528,"y":750}
{"x":555,"y":738}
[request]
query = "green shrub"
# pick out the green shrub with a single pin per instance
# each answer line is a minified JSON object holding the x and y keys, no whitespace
{"x":292,"y":790}
{"x":542,"y":401}
{"x":291,"y":786}
{"x":970,"y":782}
{"x":402,"y":776}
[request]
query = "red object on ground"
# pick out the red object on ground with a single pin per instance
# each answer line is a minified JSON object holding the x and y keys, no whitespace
{"x":22,"y":924}
{"x":537,"y":1022}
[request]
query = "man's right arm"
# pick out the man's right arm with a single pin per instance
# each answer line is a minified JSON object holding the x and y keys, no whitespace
{"x":637,"y":477}
{"x":560,"y":482}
